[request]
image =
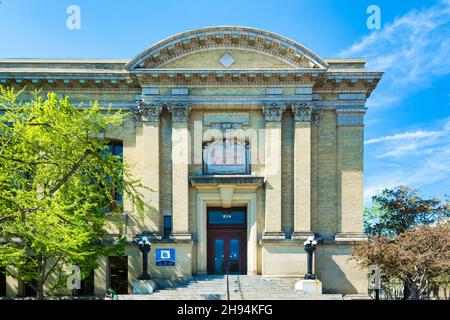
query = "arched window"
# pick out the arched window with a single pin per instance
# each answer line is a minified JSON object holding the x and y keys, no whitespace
{"x":227,"y":156}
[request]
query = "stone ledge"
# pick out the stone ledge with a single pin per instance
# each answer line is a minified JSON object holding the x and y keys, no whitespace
{"x":247,"y":180}
{"x":347,"y":237}
{"x":164,"y":241}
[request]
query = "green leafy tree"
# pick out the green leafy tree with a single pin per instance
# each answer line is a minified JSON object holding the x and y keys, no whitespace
{"x":397,"y":210}
{"x":372,"y":220}
{"x":57,"y":182}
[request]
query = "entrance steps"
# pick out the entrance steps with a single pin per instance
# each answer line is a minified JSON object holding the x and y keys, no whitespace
{"x":241,"y":287}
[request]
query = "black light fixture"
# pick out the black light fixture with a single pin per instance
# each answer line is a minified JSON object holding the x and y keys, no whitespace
{"x":144,"y":246}
{"x":310,"y":246}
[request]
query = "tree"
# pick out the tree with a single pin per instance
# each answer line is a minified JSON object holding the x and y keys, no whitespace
{"x":397,"y":210}
{"x":57,"y":182}
{"x":372,"y":220}
{"x":419,"y":257}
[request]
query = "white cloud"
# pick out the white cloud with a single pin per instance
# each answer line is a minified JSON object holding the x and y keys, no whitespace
{"x":405,"y":135}
{"x":420,"y":159}
{"x":412,"y":50}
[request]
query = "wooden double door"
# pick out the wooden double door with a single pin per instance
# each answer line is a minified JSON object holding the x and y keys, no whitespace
{"x":227,"y":246}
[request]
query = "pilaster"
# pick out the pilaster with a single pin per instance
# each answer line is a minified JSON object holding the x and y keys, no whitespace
{"x":350,"y":135}
{"x":302,"y":170}
{"x":180,"y":175}
{"x":146,"y":118}
{"x":273,"y":113}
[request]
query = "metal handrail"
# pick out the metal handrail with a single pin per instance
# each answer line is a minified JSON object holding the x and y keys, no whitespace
{"x":228,"y":281}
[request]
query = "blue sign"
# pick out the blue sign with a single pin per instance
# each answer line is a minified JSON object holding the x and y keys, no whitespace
{"x":165,"y":257}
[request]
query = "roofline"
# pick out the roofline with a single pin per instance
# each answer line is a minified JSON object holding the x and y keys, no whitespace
{"x":63,"y":60}
{"x":168,"y":40}
{"x":345,"y":60}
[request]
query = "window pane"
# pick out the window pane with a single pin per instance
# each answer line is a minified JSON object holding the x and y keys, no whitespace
{"x":234,"y":255}
{"x":219,"y":258}
{"x":118,"y":150}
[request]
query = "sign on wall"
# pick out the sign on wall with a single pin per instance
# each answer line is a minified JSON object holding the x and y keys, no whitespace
{"x":165,"y":257}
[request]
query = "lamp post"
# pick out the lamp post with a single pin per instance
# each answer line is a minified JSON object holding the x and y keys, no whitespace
{"x":144,"y":246}
{"x":310,"y":246}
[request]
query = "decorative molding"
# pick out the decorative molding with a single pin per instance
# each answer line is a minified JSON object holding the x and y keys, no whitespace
{"x":180,"y":91}
{"x":315,"y":117}
{"x":210,"y":118}
{"x":227,"y":60}
{"x":150,"y":91}
{"x":302,"y":111}
{"x":226,"y":126}
{"x":230,"y":37}
{"x":274,"y":91}
{"x":146,"y":112}
{"x":273,"y":111}
{"x":303,"y":90}
{"x":180,"y":111}
{"x":350,"y":117}
{"x":352,"y":96}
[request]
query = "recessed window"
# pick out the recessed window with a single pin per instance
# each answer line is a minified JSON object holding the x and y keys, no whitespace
{"x":167,"y":226}
{"x":115,"y":148}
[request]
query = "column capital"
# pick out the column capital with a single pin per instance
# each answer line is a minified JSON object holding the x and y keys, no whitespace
{"x":302,"y":111}
{"x":273,"y":111}
{"x":180,"y":111}
{"x":146,"y":112}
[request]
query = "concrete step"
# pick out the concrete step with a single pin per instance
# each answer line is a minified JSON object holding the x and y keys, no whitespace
{"x":241,"y":287}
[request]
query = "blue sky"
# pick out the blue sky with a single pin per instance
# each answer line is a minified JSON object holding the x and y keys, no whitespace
{"x":408,"y":123}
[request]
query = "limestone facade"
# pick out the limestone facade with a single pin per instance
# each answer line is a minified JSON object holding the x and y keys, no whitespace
{"x":300,"y":116}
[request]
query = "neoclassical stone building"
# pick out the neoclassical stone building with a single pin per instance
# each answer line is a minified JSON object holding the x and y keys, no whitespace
{"x":251,"y":143}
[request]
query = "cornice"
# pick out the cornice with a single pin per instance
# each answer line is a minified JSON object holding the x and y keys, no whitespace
{"x":276,"y":45}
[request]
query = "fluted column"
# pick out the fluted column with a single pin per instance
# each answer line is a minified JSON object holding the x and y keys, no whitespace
{"x":180,"y":164}
{"x":273,"y":113}
{"x":302,"y":170}
{"x":147,"y":168}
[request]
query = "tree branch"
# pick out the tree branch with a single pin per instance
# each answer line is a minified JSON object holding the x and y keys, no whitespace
{"x":70,"y":173}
